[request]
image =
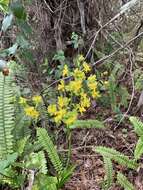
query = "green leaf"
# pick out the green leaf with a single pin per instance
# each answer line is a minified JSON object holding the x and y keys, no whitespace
{"x":18,"y":10}
{"x":7,"y":22}
{"x":138,"y":125}
{"x":49,"y":147}
{"x":116,"y":156}
{"x":59,"y":56}
{"x":4,"y":5}
{"x":65,"y":176}
{"x":123,"y":181}
{"x":109,"y":173}
{"x":22,"y":42}
{"x":138,"y":149}
{"x":87,"y":124}
{"x":12,"y":50}
{"x":10,"y":158}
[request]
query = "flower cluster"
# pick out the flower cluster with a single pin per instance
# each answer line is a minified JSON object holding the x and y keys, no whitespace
{"x":75,"y":94}
{"x":30,"y":110}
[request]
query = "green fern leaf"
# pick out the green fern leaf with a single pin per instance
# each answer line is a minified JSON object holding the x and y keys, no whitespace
{"x":138,"y":125}
{"x":116,"y":156}
{"x":10,"y":158}
{"x":87,"y":124}
{"x":109,"y":173}
{"x":123,"y":181}
{"x":138,"y":149}
{"x":37,"y":161}
{"x":48,"y":146}
{"x":6,"y":116}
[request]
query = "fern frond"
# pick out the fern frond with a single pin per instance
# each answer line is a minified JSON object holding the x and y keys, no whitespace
{"x":87,"y":124}
{"x":48,"y":146}
{"x":20,"y":145}
{"x":37,"y":161}
{"x":10,"y":158}
{"x":116,"y":156}
{"x":109,"y":172}
{"x":138,"y":125}
{"x":123,"y":181}
{"x":6,"y":116}
{"x":21,"y":126}
{"x":138,"y":149}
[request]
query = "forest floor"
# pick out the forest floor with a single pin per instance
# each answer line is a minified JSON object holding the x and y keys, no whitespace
{"x":89,"y":173}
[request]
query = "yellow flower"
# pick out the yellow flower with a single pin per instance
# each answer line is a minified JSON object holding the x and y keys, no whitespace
{"x":59,"y":115}
{"x":95,"y":94}
{"x":31,"y":112}
{"x":92,"y":85}
{"x":86,"y":67}
{"x":78,"y":74}
{"x":92,"y":78}
{"x":65,"y":71}
{"x":37,"y":99}
{"x":61,"y":86}
{"x":80,"y":58}
{"x":92,"y":82}
{"x":63,"y":101}
{"x":85,"y":101}
{"x":52,"y":109}
{"x":70,"y":118}
{"x":22,"y":100}
{"x":74,"y":86}
{"x":81,"y":109}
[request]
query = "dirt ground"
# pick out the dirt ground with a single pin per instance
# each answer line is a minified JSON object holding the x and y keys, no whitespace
{"x":89,"y":173}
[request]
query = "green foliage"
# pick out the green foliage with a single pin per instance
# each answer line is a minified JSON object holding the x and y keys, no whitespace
{"x":138,"y":126}
{"x":87,"y":124}
{"x":18,"y":10}
{"x":7,"y":22}
{"x":111,"y":154}
{"x":45,"y":182}
{"x":116,"y":156}
{"x":108,"y":180}
{"x":123,"y":181}
{"x":59,"y":56}
{"x":4,"y":163}
{"x":75,"y":40}
{"x":65,"y":176}
{"x":37,"y":161}
{"x":6,"y":116}
{"x":4,"y":5}
{"x":138,"y":149}
{"x":48,"y":146}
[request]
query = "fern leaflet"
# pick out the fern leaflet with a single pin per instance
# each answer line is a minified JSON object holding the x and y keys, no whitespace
{"x":138,"y":149}
{"x":109,"y":172}
{"x":87,"y":124}
{"x":138,"y":125}
{"x":116,"y":156}
{"x":48,"y":145}
{"x":123,"y":181}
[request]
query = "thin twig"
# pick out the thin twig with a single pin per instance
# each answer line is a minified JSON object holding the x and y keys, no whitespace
{"x":48,"y":7}
{"x":117,"y":50}
{"x":131,"y":58}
